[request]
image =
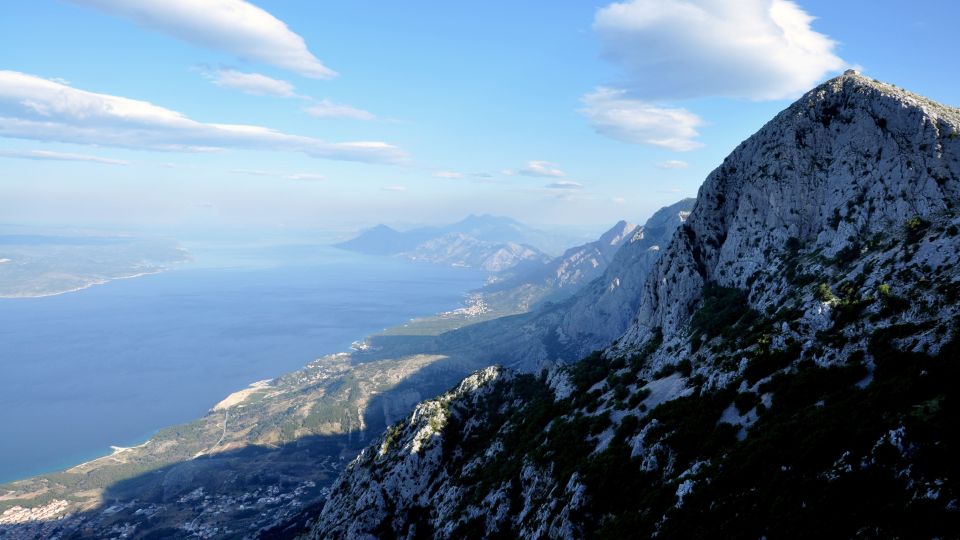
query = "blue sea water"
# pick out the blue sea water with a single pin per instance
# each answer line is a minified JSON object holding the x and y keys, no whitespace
{"x":110,"y":364}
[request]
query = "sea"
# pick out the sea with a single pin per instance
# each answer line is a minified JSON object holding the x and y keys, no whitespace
{"x":113,"y":363}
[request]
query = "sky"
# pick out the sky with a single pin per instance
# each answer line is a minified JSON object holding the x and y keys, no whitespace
{"x":334,"y":115}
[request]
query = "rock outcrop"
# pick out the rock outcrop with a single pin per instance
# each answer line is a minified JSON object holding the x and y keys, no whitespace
{"x":566,"y":274}
{"x":590,"y":319}
{"x":853,"y":158}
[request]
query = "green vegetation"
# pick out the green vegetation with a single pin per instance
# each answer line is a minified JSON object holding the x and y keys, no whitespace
{"x":823,"y":293}
{"x":915,"y":228}
{"x":725,"y":312}
{"x":788,"y":479}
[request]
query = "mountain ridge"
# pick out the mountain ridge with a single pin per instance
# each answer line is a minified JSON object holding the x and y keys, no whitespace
{"x":790,"y":371}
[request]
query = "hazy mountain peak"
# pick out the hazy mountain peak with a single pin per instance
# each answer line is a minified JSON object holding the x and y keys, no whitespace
{"x":617,"y":234}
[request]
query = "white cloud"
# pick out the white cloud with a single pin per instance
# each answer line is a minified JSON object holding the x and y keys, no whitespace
{"x":234,"y":26}
{"x":261,"y":85}
{"x":618,"y":200}
{"x":39,"y":109}
{"x":275,"y":174}
{"x":564,"y":184}
{"x":59,"y":156}
{"x":677,"y":49}
{"x":327,"y":109}
{"x":614,"y":115}
{"x":251,"y":83}
{"x":541,"y":169}
{"x":448,"y":175}
{"x":673,"y":164}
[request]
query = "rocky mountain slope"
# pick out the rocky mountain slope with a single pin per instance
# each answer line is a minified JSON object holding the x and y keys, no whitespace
{"x":790,"y":372}
{"x":589,"y":319}
{"x":564,"y":275}
{"x":458,"y":249}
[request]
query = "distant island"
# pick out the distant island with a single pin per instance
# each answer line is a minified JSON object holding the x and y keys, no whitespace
{"x":42,"y":263}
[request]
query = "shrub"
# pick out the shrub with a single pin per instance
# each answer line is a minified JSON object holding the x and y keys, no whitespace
{"x":915,"y":228}
{"x":823,"y":293}
{"x":884,"y":290}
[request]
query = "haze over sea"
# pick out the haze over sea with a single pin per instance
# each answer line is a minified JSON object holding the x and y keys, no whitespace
{"x":110,"y":364}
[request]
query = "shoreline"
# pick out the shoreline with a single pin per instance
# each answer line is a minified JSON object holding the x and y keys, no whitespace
{"x":82,"y":287}
{"x":225,"y":402}
{"x":95,"y":283}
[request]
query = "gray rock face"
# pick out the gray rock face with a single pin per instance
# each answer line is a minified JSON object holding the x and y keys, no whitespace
{"x":457,"y":249}
{"x":386,"y":486}
{"x":851,"y":159}
{"x":587,"y":321}
{"x":565,"y":275}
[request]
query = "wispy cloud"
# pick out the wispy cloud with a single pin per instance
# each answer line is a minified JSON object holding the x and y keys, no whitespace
{"x":677,"y":49}
{"x":251,"y":83}
{"x":673,"y":164}
{"x":276,"y":174}
{"x":40,"y":109}
{"x":541,"y":169}
{"x":394,"y":188}
{"x":233,"y":26}
{"x":614,"y":115}
{"x":258,"y":84}
{"x":327,"y":109}
{"x":564,"y":184}
{"x":448,"y":175}
{"x":59,"y":156}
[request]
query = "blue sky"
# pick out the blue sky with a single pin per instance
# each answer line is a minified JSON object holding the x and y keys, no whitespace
{"x":572,"y":113}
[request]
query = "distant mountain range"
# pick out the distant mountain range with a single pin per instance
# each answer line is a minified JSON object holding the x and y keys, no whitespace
{"x":491,"y":243}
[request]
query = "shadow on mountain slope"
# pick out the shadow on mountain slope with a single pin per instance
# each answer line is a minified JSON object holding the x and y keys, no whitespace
{"x":239,"y":491}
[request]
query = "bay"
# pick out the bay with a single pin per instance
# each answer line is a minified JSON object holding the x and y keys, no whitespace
{"x":110,"y":364}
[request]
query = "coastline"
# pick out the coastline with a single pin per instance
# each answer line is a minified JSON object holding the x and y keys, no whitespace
{"x":168,"y":266}
{"x":226,"y":400}
{"x":85,"y":286}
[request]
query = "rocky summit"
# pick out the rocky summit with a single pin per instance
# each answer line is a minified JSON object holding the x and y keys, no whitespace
{"x":789,"y":371}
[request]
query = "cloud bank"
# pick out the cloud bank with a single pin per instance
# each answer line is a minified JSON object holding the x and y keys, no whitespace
{"x":35,"y":108}
{"x":233,"y":26}
{"x":678,"y":49}
{"x":672,"y":50}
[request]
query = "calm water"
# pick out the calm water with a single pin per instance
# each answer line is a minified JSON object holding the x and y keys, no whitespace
{"x":110,"y":364}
